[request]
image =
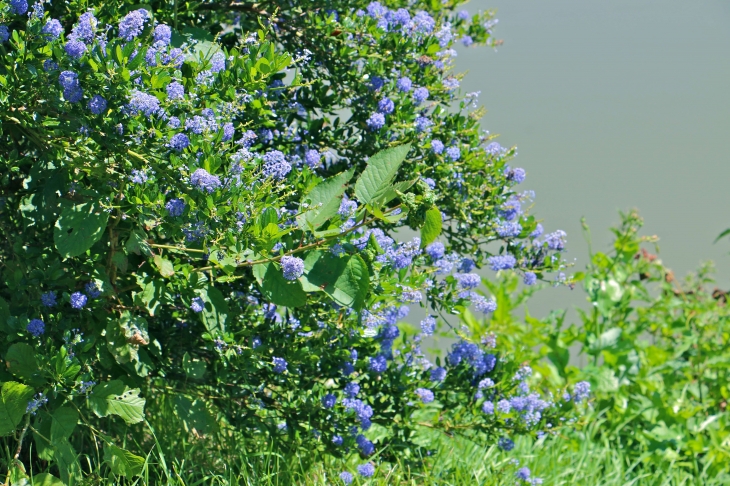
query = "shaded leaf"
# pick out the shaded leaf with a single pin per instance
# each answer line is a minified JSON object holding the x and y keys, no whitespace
{"x":14,"y":398}
{"x":122,"y":461}
{"x":78,"y":228}
{"x":114,"y":398}
{"x":277,"y":289}
{"x":324,"y":200}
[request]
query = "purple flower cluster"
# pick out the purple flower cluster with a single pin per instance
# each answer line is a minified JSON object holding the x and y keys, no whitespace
{"x":72,"y":91}
{"x":52,"y":29}
{"x":197,"y":305}
{"x":143,"y":103}
{"x":275,"y":165}
{"x":280,"y":364}
{"x":36,"y":327}
{"x":376,"y":121}
{"x":97,"y":105}
{"x":132,"y":24}
{"x":425,"y":395}
{"x":78,"y":300}
{"x":175,"y":207}
{"x":292,"y":267}
{"x":362,"y":410}
{"x":205,"y":181}
{"x":471,"y":354}
{"x":501,"y":262}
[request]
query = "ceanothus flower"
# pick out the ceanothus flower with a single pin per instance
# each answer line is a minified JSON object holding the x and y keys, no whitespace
{"x":292,"y":267}
{"x":428,"y":325}
{"x":329,"y":400}
{"x":467,"y":40}
{"x":509,"y":229}
{"x":404,"y":84}
{"x":175,"y":91}
{"x":482,"y":304}
{"x":453,"y":153}
{"x":515,"y":175}
{"x":530,"y":278}
{"x":179,"y":141}
{"x":495,"y":149}
{"x":48,"y":299}
{"x":97,"y":105}
{"x":228,"y":131}
{"x":556,"y":240}
{"x":438,"y":374}
{"x":345,"y":476}
{"x":312,"y":158}
{"x":422,"y":123}
{"x":376,"y":121}
{"x":468,"y":280}
{"x":366,"y":470}
{"x":425,"y":395}
{"x":420,"y":95}
{"x":218,"y":62}
{"x":205,"y":181}
{"x":386,"y":106}
{"x":19,"y":7}
{"x":162,"y":35}
{"x":85,"y":28}
{"x":275,"y":165}
{"x":78,"y":300}
{"x":581,"y":391}
{"x":436,"y":250}
{"x":92,"y":290}
{"x":365,"y":445}
{"x":280,"y":364}
{"x":422,"y":23}
{"x":197,"y":305}
{"x":378,"y":364}
{"x":175,"y":207}
{"x":36,"y":403}
{"x":143,"y":103}
{"x":75,"y":48}
{"x":132,"y":24}
{"x":538,"y":231}
{"x":52,"y":29}
{"x":36,"y":327}
{"x":352,"y":389}
{"x":501,"y":262}
{"x":450,"y":83}
{"x":437,"y":146}
{"x":4,"y":33}
{"x":505,"y":443}
{"x":138,"y":176}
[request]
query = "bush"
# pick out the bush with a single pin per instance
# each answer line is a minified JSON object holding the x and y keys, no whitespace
{"x":199,"y":215}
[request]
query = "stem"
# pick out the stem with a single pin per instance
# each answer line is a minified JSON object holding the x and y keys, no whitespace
{"x":17,"y":451}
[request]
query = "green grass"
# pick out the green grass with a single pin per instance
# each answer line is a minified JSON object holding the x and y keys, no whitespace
{"x":580,"y":459}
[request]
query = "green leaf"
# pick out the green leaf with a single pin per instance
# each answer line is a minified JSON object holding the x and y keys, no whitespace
{"x":46,"y":479}
{"x":21,"y":361}
{"x":346,"y":279}
{"x":152,"y":295}
{"x":194,"y":415}
{"x":431,"y":228}
{"x":63,"y":424}
{"x":164,"y":266}
{"x":215,"y":313}
{"x":137,"y":243}
{"x":606,"y":340}
{"x":194,"y":368}
{"x":67,"y":461}
{"x":277,"y":289}
{"x":380,"y":171}
{"x":328,"y":194}
{"x":352,"y":286}
{"x":123,"y":462}
{"x":78,"y":228}
{"x":114,"y":398}
{"x":14,"y":398}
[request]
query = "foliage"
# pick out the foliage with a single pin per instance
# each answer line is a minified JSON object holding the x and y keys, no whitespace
{"x":202,"y":228}
{"x":657,"y":352}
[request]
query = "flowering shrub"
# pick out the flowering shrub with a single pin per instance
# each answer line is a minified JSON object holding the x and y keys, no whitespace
{"x":211,"y":223}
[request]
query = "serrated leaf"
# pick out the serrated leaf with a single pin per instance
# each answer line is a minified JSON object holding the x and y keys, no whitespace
{"x":392,"y":192}
{"x":346,"y":279}
{"x":122,"y":461}
{"x":114,"y":398}
{"x":215,"y":312}
{"x":352,"y":286}
{"x":164,"y":266}
{"x":328,"y":193}
{"x":78,"y":228}
{"x":431,"y":228}
{"x":380,"y":171}
{"x":21,"y":361}
{"x":277,"y":289}
{"x":14,"y":398}
{"x":63,"y":423}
